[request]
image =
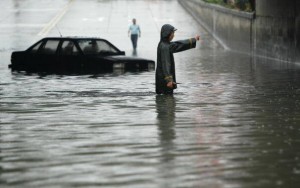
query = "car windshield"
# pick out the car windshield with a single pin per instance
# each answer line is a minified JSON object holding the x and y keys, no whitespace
{"x":35,"y":48}
{"x":50,"y":47}
{"x":96,"y":47}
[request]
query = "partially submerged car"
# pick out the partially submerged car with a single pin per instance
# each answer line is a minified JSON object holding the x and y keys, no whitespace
{"x":76,"y":55}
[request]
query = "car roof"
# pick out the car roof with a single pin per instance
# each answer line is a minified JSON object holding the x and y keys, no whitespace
{"x":74,"y":38}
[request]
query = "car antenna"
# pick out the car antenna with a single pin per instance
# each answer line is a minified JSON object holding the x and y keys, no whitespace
{"x":58,"y":30}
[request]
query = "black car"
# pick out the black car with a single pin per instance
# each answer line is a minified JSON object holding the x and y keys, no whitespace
{"x":75,"y":54}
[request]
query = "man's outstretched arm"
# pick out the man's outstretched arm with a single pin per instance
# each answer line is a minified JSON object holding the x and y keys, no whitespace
{"x":181,"y":45}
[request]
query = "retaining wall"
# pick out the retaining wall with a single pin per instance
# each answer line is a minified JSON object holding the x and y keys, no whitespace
{"x":298,"y":32}
{"x":272,"y":32}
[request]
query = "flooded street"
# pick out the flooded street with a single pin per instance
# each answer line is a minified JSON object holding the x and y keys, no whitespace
{"x":234,"y":121}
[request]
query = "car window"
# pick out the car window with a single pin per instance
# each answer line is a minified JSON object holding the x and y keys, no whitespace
{"x":94,"y":47}
{"x":36,"y":47}
{"x":50,"y":47}
{"x":89,"y":46}
{"x":69,"y":48}
{"x":105,"y":47}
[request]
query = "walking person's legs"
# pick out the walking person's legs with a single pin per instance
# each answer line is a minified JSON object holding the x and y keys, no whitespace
{"x":134,"y":39}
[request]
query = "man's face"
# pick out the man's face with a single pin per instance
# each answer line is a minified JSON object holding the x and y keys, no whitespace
{"x":171,"y":36}
{"x":134,"y":21}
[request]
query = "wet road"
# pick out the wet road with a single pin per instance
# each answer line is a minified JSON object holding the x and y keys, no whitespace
{"x":233,"y":122}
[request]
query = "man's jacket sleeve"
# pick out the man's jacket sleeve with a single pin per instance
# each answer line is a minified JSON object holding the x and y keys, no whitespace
{"x":166,"y":66}
{"x":181,"y":45}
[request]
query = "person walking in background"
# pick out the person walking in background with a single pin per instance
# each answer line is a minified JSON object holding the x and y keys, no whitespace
{"x":134,"y":32}
{"x":165,"y":78}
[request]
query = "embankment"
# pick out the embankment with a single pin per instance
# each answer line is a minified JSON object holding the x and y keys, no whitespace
{"x":272,"y":32}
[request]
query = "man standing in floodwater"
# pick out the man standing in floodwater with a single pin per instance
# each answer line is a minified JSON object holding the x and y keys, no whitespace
{"x":165,"y":78}
{"x":134,"y":31}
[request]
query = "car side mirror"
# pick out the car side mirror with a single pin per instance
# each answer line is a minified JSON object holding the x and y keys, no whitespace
{"x":122,"y":52}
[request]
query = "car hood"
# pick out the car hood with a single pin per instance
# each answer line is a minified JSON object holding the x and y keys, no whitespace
{"x":125,"y":58}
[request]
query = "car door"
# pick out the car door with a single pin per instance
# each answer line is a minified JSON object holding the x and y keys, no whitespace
{"x":48,"y":59}
{"x":93,"y":61}
{"x":70,"y":57}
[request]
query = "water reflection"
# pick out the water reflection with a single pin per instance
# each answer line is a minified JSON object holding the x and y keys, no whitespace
{"x":165,"y":109}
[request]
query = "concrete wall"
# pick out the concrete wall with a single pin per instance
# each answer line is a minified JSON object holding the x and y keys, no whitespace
{"x":232,"y":28}
{"x":275,"y":29}
{"x":297,"y":36}
{"x":273,"y":32}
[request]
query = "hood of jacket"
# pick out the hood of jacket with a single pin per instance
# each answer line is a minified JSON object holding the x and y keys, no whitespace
{"x":166,"y":30}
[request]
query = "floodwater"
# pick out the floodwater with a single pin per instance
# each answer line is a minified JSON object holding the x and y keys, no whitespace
{"x":234,"y":121}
